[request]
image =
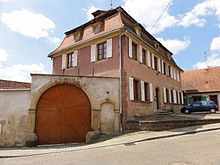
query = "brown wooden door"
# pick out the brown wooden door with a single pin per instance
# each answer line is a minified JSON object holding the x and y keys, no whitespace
{"x":63,"y":115}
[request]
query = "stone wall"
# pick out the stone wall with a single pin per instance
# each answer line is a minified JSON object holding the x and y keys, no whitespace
{"x":14,"y":106}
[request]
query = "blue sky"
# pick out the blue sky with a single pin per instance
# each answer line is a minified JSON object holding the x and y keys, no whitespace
{"x":30,"y":30}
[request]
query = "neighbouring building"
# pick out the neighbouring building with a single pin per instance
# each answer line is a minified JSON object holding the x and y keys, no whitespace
{"x":105,"y":72}
{"x":202,"y":84}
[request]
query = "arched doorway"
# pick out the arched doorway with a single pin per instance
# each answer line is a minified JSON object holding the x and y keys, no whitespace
{"x":63,"y":115}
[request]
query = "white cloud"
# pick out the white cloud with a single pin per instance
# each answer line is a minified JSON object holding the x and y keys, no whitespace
{"x":203,"y":9}
{"x":212,"y":61}
{"x":20,"y":72}
{"x":27,"y":23}
{"x":3,"y":55}
{"x":5,"y":0}
{"x":54,"y":40}
{"x":89,"y":11}
{"x":175,"y":45}
{"x":147,"y":12}
{"x":215,"y":45}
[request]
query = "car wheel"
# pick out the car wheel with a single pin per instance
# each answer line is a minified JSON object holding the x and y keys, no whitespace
{"x":212,"y":110}
{"x":186,"y":111}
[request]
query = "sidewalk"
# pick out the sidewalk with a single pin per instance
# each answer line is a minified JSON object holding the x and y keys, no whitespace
{"x":127,"y":139}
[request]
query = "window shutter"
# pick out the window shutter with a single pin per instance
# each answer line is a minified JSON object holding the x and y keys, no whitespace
{"x":178,"y":75}
{"x":167,"y":70}
{"x":162,"y":68}
{"x":151,"y":92}
{"x":142,"y":91}
{"x":64,"y":62}
{"x":130,"y":48}
{"x":93,"y":53}
{"x":131,"y":88}
{"x":171,"y":71}
{"x":174,"y":75}
{"x":170,"y":99}
{"x":140,"y":54}
{"x":164,"y":95}
{"x":153,"y":66}
{"x":174,"y":97}
{"x":109,"y":48}
{"x":75,"y":57}
{"x":148,"y":59}
{"x":159,"y":64}
{"x":182,"y":100}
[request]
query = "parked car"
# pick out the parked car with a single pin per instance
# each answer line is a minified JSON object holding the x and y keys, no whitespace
{"x":200,"y":106}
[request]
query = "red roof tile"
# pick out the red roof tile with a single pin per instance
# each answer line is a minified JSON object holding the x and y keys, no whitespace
{"x":202,"y":80}
{"x":6,"y":84}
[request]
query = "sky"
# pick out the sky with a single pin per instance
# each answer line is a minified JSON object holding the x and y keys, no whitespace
{"x":31,"y":29}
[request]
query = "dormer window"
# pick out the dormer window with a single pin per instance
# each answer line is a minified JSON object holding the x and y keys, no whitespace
{"x":157,"y":46}
{"x":97,"y":27}
{"x":138,"y":30}
{"x":76,"y":36}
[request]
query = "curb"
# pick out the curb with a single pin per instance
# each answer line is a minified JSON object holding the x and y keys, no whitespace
{"x":117,"y":144}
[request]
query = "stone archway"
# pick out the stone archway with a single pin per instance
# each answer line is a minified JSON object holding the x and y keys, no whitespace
{"x":63,"y":115}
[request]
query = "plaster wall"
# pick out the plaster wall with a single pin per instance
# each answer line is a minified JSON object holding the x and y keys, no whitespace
{"x":14,"y":105}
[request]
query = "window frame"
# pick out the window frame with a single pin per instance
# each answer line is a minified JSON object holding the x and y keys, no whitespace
{"x":70,"y":60}
{"x":137,"y":89}
{"x":103,"y":50}
{"x":134,"y":51}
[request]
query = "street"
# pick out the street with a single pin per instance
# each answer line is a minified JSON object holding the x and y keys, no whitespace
{"x":195,"y":149}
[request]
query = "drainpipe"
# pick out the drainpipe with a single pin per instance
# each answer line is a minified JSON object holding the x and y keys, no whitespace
{"x":120,"y":88}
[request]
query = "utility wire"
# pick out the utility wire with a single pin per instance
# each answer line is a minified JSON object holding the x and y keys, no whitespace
{"x":153,"y":25}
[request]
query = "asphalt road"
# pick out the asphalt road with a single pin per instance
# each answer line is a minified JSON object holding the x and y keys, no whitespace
{"x":196,"y":149}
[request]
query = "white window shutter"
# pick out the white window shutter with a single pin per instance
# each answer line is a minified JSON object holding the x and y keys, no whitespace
{"x":178,"y":75}
{"x":167,"y":69}
{"x":182,"y":100}
{"x":131,"y":88}
{"x":75,"y":58}
{"x":148,"y":59}
{"x":162,"y":68}
{"x":130,"y":48}
{"x":153,"y":66}
{"x":142,"y":91}
{"x":109,"y":48}
{"x":171,"y":72}
{"x":64,"y":61}
{"x":93,"y":53}
{"x":159,"y":64}
{"x":140,"y":54}
{"x":151,"y":92}
{"x":175,"y":74}
{"x":164,"y":95}
{"x":174,"y":97}
{"x":170,"y":99}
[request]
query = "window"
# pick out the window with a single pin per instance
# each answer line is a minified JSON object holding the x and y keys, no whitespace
{"x":169,"y":71}
{"x":147,"y":92}
{"x":144,"y":56}
{"x":134,"y":51}
{"x":102,"y":51}
{"x":167,"y":95}
{"x":197,"y":103}
{"x":164,"y":68}
{"x":155,"y":63}
{"x":137,"y":90}
{"x":97,"y":28}
{"x":172,"y":97}
{"x":70,"y":60}
{"x":76,"y":36}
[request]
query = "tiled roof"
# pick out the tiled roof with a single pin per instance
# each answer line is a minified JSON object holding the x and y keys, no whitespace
{"x":6,"y":84}
{"x":202,"y":80}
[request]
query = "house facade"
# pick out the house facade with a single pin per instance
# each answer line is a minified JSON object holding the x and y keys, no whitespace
{"x":105,"y":72}
{"x":113,"y":44}
{"x":202,"y":84}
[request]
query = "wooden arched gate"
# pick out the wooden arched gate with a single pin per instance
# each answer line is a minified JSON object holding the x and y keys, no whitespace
{"x":63,"y":115}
